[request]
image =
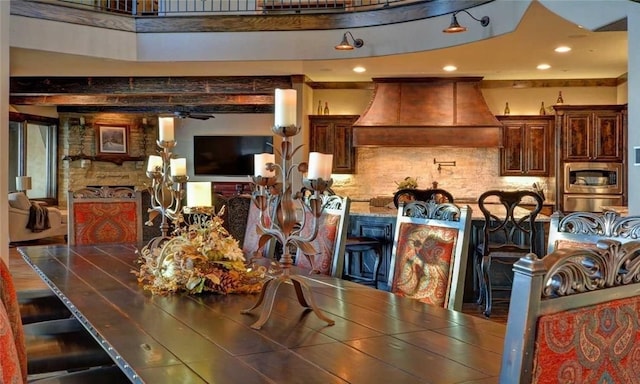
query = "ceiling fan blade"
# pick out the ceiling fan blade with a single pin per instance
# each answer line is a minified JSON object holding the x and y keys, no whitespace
{"x":200,"y":116}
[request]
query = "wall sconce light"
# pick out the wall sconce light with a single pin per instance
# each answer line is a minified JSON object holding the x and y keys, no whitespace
{"x":455,"y":27}
{"x":344,"y":44}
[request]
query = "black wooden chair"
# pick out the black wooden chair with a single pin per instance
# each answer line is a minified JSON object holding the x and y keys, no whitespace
{"x":509,"y":232}
{"x":409,"y":194}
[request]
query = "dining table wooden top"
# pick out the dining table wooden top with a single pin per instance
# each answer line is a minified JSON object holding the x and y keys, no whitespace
{"x":378,"y":337}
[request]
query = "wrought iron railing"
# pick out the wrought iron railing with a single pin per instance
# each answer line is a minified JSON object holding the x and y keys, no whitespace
{"x":208,"y":7}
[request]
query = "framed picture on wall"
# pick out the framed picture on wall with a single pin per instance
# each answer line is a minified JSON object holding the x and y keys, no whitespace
{"x":112,"y":139}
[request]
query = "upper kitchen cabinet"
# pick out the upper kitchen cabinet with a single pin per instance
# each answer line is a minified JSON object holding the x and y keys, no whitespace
{"x":333,"y":134}
{"x":526,"y":145}
{"x":592,"y":132}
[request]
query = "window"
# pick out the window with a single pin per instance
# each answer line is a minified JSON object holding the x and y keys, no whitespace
{"x":32,"y":152}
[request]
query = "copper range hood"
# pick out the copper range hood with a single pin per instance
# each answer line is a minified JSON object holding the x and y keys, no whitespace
{"x":427,"y":112}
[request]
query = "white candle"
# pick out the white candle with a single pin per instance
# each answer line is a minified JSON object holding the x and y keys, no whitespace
{"x":178,"y":167}
{"x":199,"y":194}
{"x":260,"y":161}
{"x":285,"y":107}
{"x":155,"y":163}
{"x":320,"y":166}
{"x":166,"y":129}
{"x":327,"y":166}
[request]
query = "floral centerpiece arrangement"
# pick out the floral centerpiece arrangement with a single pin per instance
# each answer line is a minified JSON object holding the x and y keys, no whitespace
{"x":201,"y":257}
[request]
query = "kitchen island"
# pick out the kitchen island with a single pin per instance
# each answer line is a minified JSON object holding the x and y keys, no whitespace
{"x":379,"y":223}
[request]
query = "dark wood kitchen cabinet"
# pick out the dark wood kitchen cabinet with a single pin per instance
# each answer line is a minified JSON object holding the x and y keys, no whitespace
{"x":527,"y":145}
{"x":333,"y":134}
{"x":592,"y":133}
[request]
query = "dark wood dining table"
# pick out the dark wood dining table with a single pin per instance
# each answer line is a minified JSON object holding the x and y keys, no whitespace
{"x":378,"y":337}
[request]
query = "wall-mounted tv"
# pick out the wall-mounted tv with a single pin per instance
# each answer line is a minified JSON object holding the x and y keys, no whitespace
{"x":228,"y":155}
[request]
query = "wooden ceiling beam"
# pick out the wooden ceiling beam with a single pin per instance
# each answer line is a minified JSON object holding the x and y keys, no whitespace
{"x":142,"y":100}
{"x":46,"y":86}
{"x":167,"y":109}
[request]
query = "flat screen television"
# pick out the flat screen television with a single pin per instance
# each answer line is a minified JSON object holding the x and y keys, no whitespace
{"x":228,"y":155}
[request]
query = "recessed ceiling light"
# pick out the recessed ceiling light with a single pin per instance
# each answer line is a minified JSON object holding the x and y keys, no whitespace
{"x":359,"y":69}
{"x":543,"y":66}
{"x":450,"y":68}
{"x":562,"y":49}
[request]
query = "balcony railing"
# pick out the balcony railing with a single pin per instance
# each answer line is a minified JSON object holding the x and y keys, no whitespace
{"x":239,"y":7}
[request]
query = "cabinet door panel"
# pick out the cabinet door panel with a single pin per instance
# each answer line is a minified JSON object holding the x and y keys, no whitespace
{"x":322,"y":139}
{"x":576,"y":138}
{"x":535,"y":139}
{"x":608,"y":137}
{"x":343,"y":153}
{"x":513,"y":149}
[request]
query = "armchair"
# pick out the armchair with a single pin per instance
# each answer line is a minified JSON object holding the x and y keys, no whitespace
{"x":19,"y":210}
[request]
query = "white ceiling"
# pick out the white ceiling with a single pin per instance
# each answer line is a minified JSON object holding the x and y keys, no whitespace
{"x":512,"y":56}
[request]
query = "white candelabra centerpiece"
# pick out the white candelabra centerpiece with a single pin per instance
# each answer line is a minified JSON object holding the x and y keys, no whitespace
{"x":168,"y":178}
{"x":277,"y":203}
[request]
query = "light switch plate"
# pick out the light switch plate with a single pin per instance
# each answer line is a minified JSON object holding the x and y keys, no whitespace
{"x":636,"y":152}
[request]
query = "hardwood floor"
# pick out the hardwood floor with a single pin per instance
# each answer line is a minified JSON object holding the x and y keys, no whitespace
{"x":26,"y":279}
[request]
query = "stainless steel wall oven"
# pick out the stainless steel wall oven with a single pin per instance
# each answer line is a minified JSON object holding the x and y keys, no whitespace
{"x":588,"y":186}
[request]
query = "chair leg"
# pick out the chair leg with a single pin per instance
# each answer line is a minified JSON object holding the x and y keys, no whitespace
{"x":477,"y":267}
{"x":486,"y":268}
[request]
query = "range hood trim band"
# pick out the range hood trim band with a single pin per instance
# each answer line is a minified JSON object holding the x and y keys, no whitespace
{"x":465,"y":137}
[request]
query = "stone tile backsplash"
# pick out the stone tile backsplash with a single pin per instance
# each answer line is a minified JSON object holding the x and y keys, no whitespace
{"x":476,"y":170}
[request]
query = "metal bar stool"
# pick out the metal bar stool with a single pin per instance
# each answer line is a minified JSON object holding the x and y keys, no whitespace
{"x":361,"y":246}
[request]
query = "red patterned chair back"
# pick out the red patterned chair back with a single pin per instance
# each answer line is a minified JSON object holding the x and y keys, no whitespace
{"x":574,"y":316}
{"x":584,"y":229}
{"x":429,"y":257}
{"x":105,"y":216}
{"x":328,"y":246}
{"x":13,"y":355}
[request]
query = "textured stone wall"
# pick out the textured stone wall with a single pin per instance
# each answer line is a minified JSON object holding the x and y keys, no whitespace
{"x":74,"y":140}
{"x":476,"y":170}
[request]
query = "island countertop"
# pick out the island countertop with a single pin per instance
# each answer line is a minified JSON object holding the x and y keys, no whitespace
{"x":362,"y":208}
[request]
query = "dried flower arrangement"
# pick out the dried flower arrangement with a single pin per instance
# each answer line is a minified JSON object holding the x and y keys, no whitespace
{"x":201,"y":257}
{"x":408,"y":182}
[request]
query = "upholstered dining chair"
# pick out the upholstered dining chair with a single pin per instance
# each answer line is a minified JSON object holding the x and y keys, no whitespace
{"x":584,"y":229}
{"x":329,"y":243}
{"x":509,"y":232}
{"x":105,"y":215}
{"x":574,"y":316}
{"x":429,"y":257}
{"x":408,"y":194}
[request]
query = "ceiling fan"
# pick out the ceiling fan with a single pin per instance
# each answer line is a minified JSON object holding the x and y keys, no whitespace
{"x":184,"y":113}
